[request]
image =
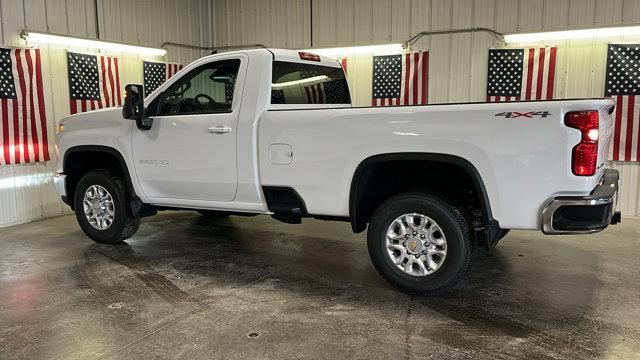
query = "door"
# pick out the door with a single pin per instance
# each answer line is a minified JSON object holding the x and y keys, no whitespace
{"x":190,"y":150}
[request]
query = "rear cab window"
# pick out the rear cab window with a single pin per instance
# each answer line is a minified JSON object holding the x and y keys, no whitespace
{"x":302,"y":83}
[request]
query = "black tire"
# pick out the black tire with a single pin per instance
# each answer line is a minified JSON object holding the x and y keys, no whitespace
{"x":213,"y":214}
{"x":453,"y":225}
{"x":124,"y":225}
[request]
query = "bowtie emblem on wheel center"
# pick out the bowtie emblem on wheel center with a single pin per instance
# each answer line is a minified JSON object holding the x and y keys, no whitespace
{"x":414,"y":246}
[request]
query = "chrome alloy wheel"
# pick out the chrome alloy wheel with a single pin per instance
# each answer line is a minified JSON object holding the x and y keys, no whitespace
{"x":98,"y":207}
{"x":416,"y":244}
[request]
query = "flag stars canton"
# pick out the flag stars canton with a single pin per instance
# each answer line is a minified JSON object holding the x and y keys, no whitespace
{"x":7,"y":85}
{"x":83,"y":76}
{"x":336,"y":92}
{"x":623,"y":70}
{"x":154,"y":74}
{"x":505,"y":72}
{"x":387,"y":76}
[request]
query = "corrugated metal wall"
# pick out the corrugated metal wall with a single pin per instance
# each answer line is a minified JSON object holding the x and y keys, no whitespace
{"x":458,"y":62}
{"x":26,"y":190}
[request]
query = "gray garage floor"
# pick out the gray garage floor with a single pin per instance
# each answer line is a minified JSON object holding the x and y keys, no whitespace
{"x":185,"y":287}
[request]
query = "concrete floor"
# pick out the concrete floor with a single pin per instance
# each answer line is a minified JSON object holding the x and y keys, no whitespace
{"x":187,"y":287}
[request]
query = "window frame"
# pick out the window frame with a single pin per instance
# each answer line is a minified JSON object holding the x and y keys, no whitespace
{"x":156,"y":103}
{"x":290,"y":106}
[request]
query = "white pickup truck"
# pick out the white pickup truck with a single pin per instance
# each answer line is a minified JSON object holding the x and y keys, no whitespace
{"x":273,"y":132}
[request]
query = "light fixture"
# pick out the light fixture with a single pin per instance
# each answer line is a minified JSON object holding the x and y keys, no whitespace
{"x":298,"y":82}
{"x":387,"y":49}
{"x":80,"y":42}
{"x":573,"y":34}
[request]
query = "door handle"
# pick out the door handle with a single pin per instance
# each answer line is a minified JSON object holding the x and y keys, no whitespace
{"x":219,"y":130}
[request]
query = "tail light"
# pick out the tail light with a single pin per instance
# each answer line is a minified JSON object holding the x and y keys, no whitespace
{"x":584,"y":158}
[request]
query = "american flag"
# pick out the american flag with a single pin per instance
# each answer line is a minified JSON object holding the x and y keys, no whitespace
{"x":173,"y":68}
{"x":24,"y":123}
{"x":400,"y":79}
{"x":521,"y":74}
{"x":229,"y":87}
{"x":315,"y":94}
{"x":331,"y":92}
{"x":156,"y":73}
{"x":622,"y":83}
{"x":94,"y":82}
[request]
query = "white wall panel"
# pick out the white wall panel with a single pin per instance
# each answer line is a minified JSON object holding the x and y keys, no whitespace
{"x":26,"y":190}
{"x":457,"y":62}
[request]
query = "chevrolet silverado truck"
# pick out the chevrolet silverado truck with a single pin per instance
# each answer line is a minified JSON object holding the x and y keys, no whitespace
{"x":273,"y":132}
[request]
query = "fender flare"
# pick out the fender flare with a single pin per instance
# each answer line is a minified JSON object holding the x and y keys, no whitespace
{"x":104,"y":149}
{"x":354,"y":197}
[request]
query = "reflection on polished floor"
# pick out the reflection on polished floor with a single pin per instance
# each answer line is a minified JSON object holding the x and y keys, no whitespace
{"x":250,"y":287}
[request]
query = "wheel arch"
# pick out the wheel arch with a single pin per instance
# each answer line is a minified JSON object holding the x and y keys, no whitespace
{"x":112,"y":156}
{"x":358,"y":182}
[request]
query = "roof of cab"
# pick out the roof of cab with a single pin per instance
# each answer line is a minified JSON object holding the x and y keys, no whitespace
{"x":290,"y":56}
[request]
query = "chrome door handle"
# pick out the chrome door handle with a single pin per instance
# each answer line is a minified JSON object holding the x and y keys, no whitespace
{"x":219,"y":130}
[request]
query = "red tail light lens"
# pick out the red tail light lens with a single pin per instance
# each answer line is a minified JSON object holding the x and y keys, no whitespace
{"x":584,"y":158}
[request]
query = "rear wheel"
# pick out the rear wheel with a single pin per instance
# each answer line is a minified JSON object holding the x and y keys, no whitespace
{"x":101,"y":203}
{"x":419,"y":243}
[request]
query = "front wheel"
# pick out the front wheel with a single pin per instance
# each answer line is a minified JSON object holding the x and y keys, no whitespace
{"x":101,"y":203}
{"x":419,"y":243}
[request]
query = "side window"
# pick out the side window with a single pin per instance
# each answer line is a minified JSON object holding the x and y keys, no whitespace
{"x":298,"y":83}
{"x":207,"y":89}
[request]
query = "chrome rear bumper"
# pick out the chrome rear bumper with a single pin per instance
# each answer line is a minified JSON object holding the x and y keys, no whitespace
{"x":584,"y":215}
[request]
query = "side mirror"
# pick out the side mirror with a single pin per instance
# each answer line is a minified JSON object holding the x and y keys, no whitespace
{"x":133,"y":108}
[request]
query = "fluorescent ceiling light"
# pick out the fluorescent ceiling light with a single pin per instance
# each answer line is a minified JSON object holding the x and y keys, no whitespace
{"x":573,"y":34}
{"x":298,"y":82}
{"x":386,"y":49}
{"x":78,"y":42}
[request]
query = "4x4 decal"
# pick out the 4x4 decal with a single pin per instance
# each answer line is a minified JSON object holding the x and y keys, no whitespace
{"x":528,"y":114}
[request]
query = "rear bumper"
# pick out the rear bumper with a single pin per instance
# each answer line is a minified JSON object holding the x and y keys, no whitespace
{"x":583,"y":215}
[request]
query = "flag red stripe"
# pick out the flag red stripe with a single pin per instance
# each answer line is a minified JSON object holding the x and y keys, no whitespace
{"x":115,"y":64}
{"x":306,"y":90}
{"x":618,"y":126}
{"x":407,"y":77}
{"x":73,"y":107}
{"x":629,"y":130}
{"x":5,"y":132}
{"x":414,"y":88}
{"x":637,"y":134}
{"x":32,"y":116}
{"x":540,"y":74}
{"x":552,"y":73}
{"x":83,"y":105}
{"x":425,"y":78}
{"x":111,"y":85}
{"x":25,"y":134}
{"x":16,"y":132}
{"x":104,"y":82}
{"x":41,"y":108}
{"x":529,"y":74}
